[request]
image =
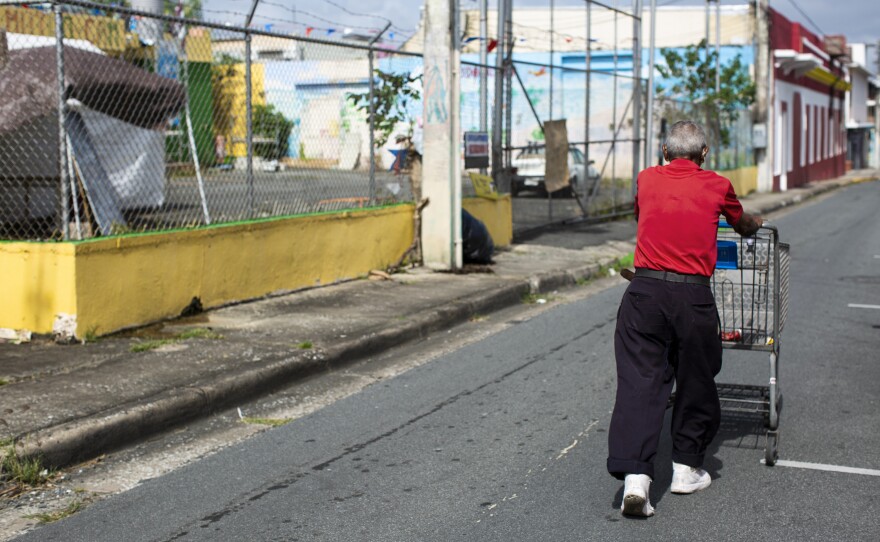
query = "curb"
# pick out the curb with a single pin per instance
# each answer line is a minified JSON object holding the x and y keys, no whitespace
{"x":88,"y":437}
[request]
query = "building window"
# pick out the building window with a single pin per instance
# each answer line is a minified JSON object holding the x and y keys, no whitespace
{"x":805,"y":137}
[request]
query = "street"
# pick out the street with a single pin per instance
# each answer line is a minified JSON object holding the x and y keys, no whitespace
{"x":504,"y":436}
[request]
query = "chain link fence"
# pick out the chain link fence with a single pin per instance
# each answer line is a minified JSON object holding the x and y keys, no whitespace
{"x":730,"y":142}
{"x":575,"y":63}
{"x":165,"y":123}
{"x":119,"y":121}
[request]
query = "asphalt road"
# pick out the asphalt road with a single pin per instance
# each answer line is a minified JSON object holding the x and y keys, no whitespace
{"x":505,"y":438}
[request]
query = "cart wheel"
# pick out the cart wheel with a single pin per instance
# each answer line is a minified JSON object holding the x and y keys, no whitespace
{"x":771,"y":452}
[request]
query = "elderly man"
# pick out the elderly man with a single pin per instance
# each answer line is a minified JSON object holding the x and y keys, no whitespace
{"x":667,"y":323}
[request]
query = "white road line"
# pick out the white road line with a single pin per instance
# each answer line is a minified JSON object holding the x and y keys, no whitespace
{"x":822,"y":466}
{"x":858,"y":306}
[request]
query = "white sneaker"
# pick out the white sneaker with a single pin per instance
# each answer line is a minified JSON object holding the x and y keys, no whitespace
{"x":686,"y":480}
{"x":635,"y":496}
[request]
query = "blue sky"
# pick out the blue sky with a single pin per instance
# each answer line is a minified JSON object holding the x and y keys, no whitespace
{"x":859,"y":20}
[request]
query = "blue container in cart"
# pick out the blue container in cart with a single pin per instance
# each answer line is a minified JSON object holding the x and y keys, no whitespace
{"x":726,"y":255}
{"x":726,"y":250}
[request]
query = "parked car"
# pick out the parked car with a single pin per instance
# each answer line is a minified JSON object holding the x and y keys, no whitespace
{"x":528,"y":171}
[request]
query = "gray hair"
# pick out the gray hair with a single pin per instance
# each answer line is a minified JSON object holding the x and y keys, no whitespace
{"x":686,"y":139}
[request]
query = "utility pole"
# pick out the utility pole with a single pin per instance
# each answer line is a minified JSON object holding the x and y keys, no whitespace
{"x":441,"y":219}
{"x":761,"y":123}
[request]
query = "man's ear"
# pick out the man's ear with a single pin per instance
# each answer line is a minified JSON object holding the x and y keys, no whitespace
{"x":665,"y":155}
{"x":705,"y":151}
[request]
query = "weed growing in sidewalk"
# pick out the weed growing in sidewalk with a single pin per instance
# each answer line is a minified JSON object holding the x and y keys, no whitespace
{"x":305,"y":345}
{"x":27,"y":471}
{"x":195,"y":333}
{"x":151,"y":345}
{"x":91,"y":335}
{"x":49,"y":517}
{"x":623,"y":263}
{"x":198,"y":333}
{"x":3,"y":382}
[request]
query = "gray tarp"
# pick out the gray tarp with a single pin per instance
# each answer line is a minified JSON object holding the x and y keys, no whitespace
{"x":28,"y":87}
{"x":116,"y":115}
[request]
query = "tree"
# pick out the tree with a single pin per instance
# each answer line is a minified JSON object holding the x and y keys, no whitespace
{"x":272,"y":129}
{"x":190,"y":9}
{"x":691,"y":78}
{"x":391,"y":97}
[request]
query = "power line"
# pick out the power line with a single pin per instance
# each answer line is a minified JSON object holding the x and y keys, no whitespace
{"x":807,"y":17}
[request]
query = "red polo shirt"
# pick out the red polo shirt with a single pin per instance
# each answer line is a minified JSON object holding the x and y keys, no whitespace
{"x":677,"y":208}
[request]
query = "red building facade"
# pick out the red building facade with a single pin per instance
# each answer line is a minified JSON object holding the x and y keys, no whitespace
{"x":808,"y":107}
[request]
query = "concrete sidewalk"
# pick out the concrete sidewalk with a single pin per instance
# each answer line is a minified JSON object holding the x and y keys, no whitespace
{"x":74,"y":402}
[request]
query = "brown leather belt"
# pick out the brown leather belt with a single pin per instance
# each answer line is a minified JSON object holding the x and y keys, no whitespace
{"x":669,"y":276}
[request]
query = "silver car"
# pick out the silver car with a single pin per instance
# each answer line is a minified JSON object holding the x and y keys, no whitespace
{"x":528,"y":167}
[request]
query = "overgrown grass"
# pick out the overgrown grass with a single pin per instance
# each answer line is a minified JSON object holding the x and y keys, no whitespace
{"x":623,"y":263}
{"x":29,"y":471}
{"x":194,"y":333}
{"x":91,"y":335}
{"x":272,"y":422}
{"x":617,"y":265}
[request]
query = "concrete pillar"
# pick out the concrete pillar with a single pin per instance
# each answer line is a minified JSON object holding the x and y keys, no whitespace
{"x":763,"y":110}
{"x":441,"y":218}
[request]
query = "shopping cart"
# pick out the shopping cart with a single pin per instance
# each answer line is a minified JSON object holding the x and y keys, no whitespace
{"x":750,"y":284}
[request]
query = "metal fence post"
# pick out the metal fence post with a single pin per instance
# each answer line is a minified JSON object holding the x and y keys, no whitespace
{"x":372,"y":128}
{"x":552,"y":54}
{"x":637,"y":93}
{"x":372,"y":116}
{"x":484,"y":72}
{"x":649,"y":129}
{"x":497,"y":109}
{"x":249,"y":113}
{"x":64,"y":192}
{"x":588,"y":58}
{"x":189,"y":130}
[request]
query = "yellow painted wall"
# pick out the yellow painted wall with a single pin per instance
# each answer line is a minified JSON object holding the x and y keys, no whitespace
{"x":744,"y":179}
{"x":133,"y":280}
{"x":230,"y":103}
{"x":497,"y":215}
{"x":36,"y":275}
{"x":105,"y":32}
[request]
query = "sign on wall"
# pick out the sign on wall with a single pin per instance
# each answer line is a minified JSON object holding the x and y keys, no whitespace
{"x":476,"y":150}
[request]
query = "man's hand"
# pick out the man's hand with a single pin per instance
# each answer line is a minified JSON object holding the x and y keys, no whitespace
{"x":748,"y":225}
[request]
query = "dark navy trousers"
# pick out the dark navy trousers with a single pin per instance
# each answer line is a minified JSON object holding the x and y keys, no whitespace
{"x":666,"y":332}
